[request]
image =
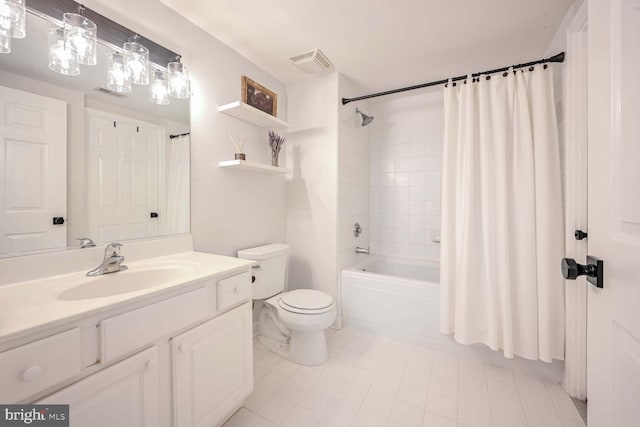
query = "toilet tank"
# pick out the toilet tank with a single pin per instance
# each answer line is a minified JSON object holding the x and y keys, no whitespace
{"x":271,"y":273}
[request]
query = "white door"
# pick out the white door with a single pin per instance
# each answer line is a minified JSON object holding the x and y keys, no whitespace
{"x":124,"y":178}
{"x":125,"y":394}
{"x":213,"y":369}
{"x":33,"y":174}
{"x":613,"y":356}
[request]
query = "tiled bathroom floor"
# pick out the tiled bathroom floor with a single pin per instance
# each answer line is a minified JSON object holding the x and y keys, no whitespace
{"x":374,"y":381}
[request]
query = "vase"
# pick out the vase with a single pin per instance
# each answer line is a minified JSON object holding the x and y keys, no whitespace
{"x":274,"y":156}
{"x":240,"y":156}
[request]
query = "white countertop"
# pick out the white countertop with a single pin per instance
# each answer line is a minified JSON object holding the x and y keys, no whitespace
{"x":29,"y":306}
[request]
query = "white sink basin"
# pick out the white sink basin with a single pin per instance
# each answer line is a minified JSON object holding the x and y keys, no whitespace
{"x":126,"y":281}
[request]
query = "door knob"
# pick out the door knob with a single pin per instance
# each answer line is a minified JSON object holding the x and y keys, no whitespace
{"x":594,"y":270}
{"x":580,"y":235}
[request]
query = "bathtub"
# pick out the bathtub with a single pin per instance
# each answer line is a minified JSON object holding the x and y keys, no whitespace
{"x":396,"y":296}
{"x":400,"y":298}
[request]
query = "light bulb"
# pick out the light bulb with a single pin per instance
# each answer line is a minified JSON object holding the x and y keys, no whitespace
{"x":119,"y":77}
{"x":61,"y":59}
{"x":5,"y":17}
{"x":137,"y":59}
{"x":5,"y":43}
{"x":159,"y":89}
{"x":179,"y":84}
{"x":12,"y":18}
{"x":80,"y":35}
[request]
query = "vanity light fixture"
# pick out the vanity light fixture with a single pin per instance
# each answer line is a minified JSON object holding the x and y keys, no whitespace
{"x":179,"y":83}
{"x":80,"y":34}
{"x":61,"y":59}
{"x":119,"y":78}
{"x":159,"y":89}
{"x":137,"y":60}
{"x":12,"y":23}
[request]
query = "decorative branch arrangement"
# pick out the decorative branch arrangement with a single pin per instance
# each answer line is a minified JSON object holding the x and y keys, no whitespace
{"x":239,"y":144}
{"x":275,"y":141}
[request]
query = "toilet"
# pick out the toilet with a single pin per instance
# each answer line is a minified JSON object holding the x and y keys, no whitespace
{"x":290,"y":323}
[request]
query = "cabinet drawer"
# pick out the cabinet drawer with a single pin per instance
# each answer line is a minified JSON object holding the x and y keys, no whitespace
{"x":34,"y":367}
{"x":127,"y":332}
{"x":233,"y":290}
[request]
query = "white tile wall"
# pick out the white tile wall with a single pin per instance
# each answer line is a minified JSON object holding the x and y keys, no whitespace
{"x":353,"y":184}
{"x":405,"y":164}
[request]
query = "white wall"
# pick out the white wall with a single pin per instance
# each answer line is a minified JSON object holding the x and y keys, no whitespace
{"x":230,"y":210}
{"x":312,"y":188}
{"x":405,"y":167}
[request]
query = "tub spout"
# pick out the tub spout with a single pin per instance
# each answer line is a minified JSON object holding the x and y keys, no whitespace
{"x":360,"y":250}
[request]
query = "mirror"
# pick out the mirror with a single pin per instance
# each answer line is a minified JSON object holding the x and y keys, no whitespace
{"x":79,"y":161}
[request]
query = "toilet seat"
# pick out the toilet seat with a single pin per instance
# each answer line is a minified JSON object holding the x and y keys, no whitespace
{"x":306,"y":301}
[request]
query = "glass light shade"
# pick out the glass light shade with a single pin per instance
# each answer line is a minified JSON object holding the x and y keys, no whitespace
{"x":12,"y":18}
{"x":61,"y":60}
{"x":179,"y":84}
{"x":137,"y":59}
{"x":5,"y":44}
{"x":159,"y":89}
{"x":80,"y":35}
{"x":119,"y":78}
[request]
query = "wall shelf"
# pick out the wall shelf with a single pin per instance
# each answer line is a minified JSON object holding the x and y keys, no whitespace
{"x":252,"y":115}
{"x":252,"y":167}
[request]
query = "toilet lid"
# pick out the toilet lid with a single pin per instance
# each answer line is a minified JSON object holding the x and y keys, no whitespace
{"x":306,"y":299}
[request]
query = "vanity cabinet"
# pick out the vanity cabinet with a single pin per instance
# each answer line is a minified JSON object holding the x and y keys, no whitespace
{"x":212,"y":369}
{"x":183,"y":357}
{"x":125,"y":394}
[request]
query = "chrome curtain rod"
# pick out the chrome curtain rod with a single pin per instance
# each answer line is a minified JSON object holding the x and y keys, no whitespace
{"x":556,"y":58}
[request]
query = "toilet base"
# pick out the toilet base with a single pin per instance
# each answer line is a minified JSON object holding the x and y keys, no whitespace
{"x":309,"y":349}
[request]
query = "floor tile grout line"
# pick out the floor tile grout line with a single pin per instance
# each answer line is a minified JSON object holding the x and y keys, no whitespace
{"x":389,"y":352}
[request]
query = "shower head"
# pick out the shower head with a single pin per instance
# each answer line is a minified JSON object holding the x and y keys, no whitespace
{"x":365,"y":119}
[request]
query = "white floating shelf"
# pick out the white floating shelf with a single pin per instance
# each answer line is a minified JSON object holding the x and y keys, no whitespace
{"x":252,"y":167}
{"x":252,"y":115}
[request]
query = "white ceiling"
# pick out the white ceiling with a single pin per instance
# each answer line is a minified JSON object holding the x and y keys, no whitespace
{"x":382,"y":44}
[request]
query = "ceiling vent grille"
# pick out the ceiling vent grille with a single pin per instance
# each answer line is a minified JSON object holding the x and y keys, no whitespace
{"x":312,"y":62}
{"x":110,"y":92}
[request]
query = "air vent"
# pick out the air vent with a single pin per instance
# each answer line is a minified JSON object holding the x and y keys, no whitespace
{"x":312,"y":62}
{"x":110,"y":92}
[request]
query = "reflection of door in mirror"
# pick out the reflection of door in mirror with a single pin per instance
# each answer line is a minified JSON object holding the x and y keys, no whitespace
{"x":125,"y":164}
{"x":33,"y":156}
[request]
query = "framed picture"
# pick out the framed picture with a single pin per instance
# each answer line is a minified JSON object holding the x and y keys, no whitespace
{"x":259,"y":96}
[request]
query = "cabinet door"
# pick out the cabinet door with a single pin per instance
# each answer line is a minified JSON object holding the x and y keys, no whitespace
{"x":213,"y":368}
{"x":125,"y":394}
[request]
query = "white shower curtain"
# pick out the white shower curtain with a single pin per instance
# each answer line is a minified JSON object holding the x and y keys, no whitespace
{"x":178,"y":208}
{"x":502,"y":216}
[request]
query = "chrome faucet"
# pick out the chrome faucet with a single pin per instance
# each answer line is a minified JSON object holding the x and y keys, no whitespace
{"x":86,"y":242}
{"x":360,"y":250}
{"x":111,"y":262}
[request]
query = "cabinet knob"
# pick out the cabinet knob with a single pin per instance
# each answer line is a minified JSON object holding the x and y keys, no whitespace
{"x":31,"y":373}
{"x":236,"y":290}
{"x":150,"y":364}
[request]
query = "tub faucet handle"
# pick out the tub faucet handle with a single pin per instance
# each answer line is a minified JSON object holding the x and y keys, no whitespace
{"x":360,"y":250}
